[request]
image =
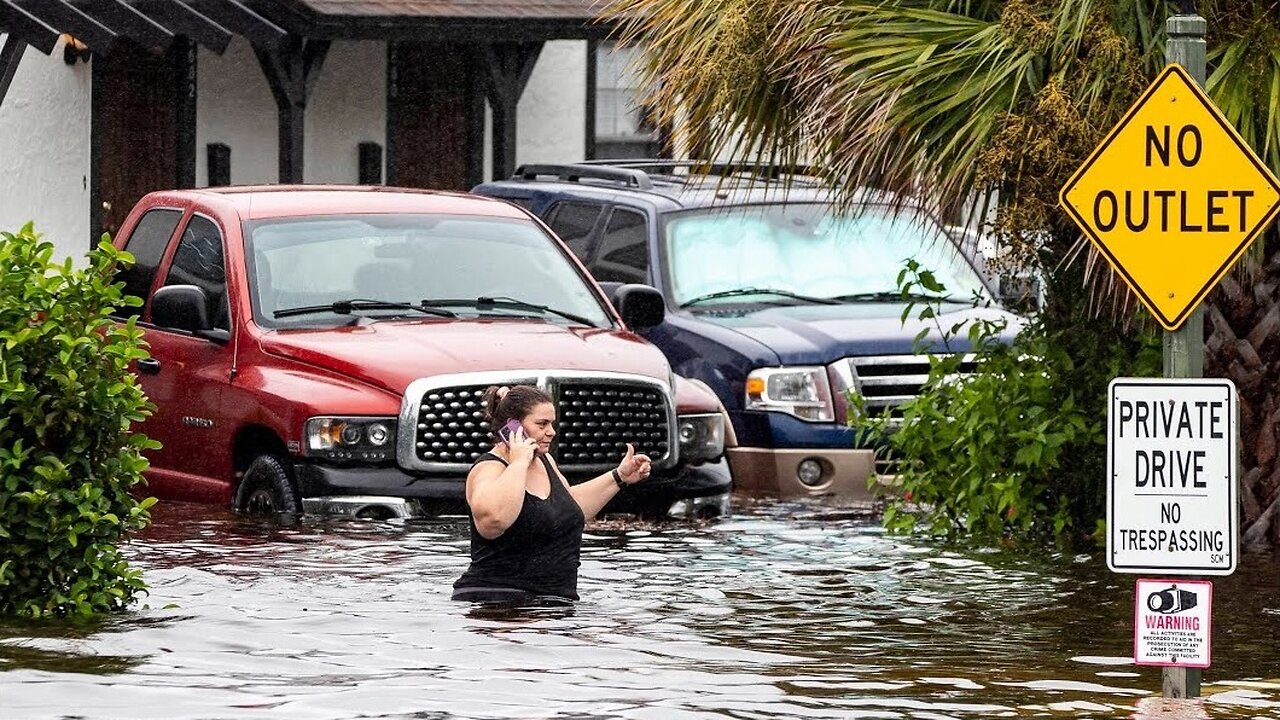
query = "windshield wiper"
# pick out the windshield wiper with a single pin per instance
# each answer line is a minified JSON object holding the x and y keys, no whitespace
{"x":503,"y":301}
{"x":346,"y":307}
{"x":759,"y":291}
{"x":893,"y":295}
{"x":510,"y":302}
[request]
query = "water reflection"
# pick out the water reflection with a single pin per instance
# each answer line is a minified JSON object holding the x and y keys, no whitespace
{"x":782,"y":610}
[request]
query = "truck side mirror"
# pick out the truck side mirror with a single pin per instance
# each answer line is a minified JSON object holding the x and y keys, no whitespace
{"x":640,"y":306}
{"x":181,"y":307}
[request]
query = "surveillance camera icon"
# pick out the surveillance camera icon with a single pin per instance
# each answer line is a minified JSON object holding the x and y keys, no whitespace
{"x":1171,"y":600}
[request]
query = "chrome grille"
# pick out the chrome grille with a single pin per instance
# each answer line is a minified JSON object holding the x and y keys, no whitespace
{"x":888,"y":381}
{"x":442,"y":425}
{"x":450,"y":425}
{"x":597,"y":421}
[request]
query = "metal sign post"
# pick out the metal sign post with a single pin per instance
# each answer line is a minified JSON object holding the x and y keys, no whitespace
{"x":1184,"y":347}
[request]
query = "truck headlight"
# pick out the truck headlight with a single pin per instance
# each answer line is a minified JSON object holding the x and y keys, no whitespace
{"x":701,"y":437}
{"x":351,"y":438}
{"x":800,"y":391}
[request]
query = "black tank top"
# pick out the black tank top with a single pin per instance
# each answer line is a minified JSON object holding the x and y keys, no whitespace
{"x":538,"y":554}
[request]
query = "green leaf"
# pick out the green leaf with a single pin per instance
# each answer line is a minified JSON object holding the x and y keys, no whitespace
{"x":65,"y":462}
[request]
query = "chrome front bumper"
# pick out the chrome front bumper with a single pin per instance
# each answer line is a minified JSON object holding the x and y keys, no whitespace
{"x":367,"y":507}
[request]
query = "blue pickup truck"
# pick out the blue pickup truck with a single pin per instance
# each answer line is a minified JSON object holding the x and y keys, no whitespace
{"x":778,"y":302}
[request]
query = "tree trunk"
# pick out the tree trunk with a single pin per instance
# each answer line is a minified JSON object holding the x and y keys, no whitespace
{"x":1242,"y":343}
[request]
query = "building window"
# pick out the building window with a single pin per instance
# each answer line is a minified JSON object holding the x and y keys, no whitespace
{"x":623,"y":126}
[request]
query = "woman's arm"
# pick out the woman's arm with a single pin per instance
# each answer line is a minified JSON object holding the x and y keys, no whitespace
{"x":593,"y":494}
{"x":495,"y":493}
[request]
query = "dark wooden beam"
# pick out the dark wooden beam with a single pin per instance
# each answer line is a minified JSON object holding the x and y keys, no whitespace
{"x":30,"y":28}
{"x":125,"y":20}
{"x":97,"y":96}
{"x":183,"y":20}
{"x":292,"y":72}
{"x":235,"y":16}
{"x":10,"y":55}
{"x":438,"y":29}
{"x":65,"y":18}
{"x":183,"y":55}
{"x":391,"y":91}
{"x":593,"y":74}
{"x":507,"y":68}
{"x":474,"y":121}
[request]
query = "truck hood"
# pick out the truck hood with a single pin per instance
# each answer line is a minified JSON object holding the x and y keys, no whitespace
{"x":819,"y":334}
{"x":390,"y":354}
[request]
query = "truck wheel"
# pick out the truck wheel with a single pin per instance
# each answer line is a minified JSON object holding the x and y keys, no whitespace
{"x":267,"y":488}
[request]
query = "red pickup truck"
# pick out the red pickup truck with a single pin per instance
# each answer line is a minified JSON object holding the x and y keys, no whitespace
{"x":324,"y":349}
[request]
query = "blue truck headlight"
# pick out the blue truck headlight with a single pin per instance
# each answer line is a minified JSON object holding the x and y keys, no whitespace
{"x":803,"y":392}
{"x":351,"y":438}
{"x":701,"y":437}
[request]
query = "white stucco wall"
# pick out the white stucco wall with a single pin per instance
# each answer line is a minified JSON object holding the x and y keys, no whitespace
{"x":234,"y":106}
{"x":44,"y":151}
{"x":552,"y":110}
{"x":347,"y":107}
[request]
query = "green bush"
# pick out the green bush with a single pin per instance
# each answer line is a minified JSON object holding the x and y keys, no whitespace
{"x":67,"y":457}
{"x":1015,"y":450}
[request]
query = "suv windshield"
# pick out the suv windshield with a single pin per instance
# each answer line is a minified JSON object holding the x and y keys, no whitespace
{"x":777,"y":253}
{"x":325,"y":270}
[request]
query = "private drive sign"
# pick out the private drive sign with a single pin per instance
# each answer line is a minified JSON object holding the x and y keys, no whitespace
{"x":1172,"y":196}
{"x":1171,"y":469}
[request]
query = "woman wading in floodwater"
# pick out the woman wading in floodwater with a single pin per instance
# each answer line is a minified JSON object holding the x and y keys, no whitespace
{"x":526,"y":520}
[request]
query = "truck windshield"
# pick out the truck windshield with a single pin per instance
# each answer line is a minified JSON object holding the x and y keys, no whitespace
{"x":766,"y":253}
{"x":370,"y":264}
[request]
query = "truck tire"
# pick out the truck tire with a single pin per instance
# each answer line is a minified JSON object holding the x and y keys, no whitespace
{"x":267,"y":488}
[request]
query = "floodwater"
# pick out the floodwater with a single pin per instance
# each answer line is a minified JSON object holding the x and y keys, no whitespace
{"x":783,"y":610}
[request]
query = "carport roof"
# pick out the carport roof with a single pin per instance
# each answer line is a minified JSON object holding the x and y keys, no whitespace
{"x":440,"y":20}
{"x":582,"y":10}
{"x":153,"y":24}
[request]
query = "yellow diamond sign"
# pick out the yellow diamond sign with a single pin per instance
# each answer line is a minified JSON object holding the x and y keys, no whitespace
{"x":1172,"y":196}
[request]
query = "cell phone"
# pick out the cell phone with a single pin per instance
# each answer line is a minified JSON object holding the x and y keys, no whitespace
{"x":507,"y":430}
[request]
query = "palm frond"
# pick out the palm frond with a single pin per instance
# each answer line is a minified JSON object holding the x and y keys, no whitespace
{"x":959,"y":101}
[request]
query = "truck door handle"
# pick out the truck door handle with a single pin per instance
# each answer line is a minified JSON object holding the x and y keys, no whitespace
{"x":150,"y":366}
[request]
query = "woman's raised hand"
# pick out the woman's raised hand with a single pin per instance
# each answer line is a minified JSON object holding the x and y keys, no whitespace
{"x":634,"y":467}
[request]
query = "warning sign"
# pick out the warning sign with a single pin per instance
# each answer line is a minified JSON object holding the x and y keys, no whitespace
{"x":1172,"y":622}
{"x":1171,"y":467}
{"x":1172,"y":196}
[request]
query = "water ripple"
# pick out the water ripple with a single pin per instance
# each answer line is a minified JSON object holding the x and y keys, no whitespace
{"x":784,"y":610}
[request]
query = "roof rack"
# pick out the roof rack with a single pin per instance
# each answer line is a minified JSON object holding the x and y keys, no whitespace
{"x":708,"y":167}
{"x":573,"y":173}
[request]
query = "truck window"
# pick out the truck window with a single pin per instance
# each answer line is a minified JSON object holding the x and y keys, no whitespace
{"x":573,"y":223}
{"x":623,"y":255}
{"x":199,"y":261}
{"x":147,"y":243}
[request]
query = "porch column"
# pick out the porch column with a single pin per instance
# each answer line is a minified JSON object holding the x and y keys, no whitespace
{"x":507,"y":68}
{"x":292,"y":71}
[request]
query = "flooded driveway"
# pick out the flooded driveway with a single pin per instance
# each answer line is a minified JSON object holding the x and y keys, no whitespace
{"x":780,"y":611}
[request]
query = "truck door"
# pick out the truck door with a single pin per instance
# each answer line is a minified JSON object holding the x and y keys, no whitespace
{"x":185,"y":377}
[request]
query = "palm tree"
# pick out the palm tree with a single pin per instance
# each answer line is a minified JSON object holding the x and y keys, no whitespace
{"x":982,"y":105}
